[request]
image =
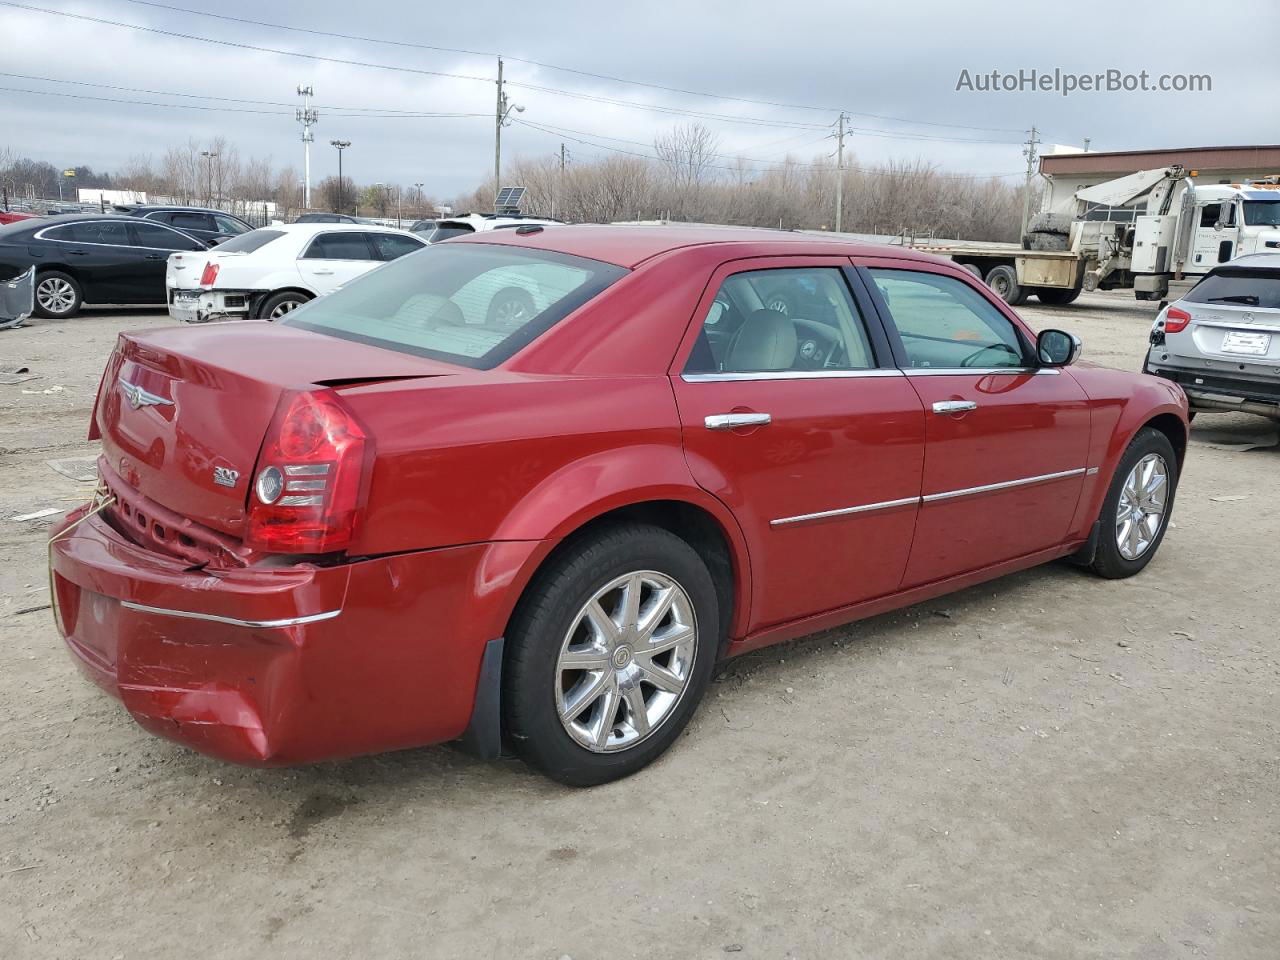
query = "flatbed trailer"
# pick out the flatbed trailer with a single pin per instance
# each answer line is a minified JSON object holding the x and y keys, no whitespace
{"x":1054,"y":276}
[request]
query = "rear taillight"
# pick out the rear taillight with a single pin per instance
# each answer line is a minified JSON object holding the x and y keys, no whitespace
{"x":209,"y":274}
{"x":308,"y":490}
{"x":1175,"y":320}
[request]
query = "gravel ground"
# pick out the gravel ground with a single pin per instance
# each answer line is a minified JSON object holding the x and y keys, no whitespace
{"x":1049,"y":766}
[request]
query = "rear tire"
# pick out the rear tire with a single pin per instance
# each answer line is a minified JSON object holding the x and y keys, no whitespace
{"x":1057,"y":296}
{"x":58,"y":295}
{"x":282,"y":304}
{"x":1127,"y":538}
{"x":578,"y":701}
{"x":1004,"y":281}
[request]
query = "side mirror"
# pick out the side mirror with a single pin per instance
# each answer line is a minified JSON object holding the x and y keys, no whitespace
{"x":1057,"y":348}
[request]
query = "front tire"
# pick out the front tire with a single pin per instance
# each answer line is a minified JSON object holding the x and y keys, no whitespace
{"x":1136,"y":511}
{"x":58,"y":295}
{"x":609,"y":653}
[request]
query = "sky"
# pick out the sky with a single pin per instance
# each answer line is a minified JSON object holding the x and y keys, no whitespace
{"x":768,"y":79}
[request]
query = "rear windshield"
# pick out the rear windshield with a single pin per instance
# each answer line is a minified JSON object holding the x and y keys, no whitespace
{"x":249,"y":242}
{"x":1246,"y":288}
{"x":469,"y":304}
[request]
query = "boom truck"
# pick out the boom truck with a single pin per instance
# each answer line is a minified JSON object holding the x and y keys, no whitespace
{"x":1154,"y":231}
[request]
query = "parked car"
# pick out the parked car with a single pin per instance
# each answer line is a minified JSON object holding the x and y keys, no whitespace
{"x":1221,"y":342}
{"x":329,"y":218}
{"x":426,"y":227}
{"x":12,"y":216}
{"x":211,"y":226}
{"x":90,"y":258}
{"x":374,"y":525}
{"x":269,"y":272}
{"x":450,"y":227}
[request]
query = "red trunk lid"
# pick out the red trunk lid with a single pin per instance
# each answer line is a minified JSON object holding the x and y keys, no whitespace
{"x":183,"y":411}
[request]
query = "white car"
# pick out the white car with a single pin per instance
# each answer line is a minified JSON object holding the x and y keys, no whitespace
{"x":267,"y":273}
{"x":448,"y":227}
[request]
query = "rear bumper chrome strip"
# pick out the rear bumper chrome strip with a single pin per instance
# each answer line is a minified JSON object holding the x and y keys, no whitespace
{"x":231,"y":621}
{"x":930,"y":498}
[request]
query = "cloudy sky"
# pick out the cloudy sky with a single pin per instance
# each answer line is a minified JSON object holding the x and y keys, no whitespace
{"x":777,"y":75}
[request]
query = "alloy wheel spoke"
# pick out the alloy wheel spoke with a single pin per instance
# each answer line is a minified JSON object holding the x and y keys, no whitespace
{"x":1135,"y":538}
{"x":660,"y":677}
{"x":587,"y":694}
{"x":637,"y":709}
{"x":656,"y":613}
{"x":629,"y":605}
{"x":667,"y":641}
{"x":608,"y":711}
{"x":584,"y":659}
{"x":603,"y":624}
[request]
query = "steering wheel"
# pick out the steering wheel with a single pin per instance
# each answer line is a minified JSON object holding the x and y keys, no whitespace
{"x":969,"y":361}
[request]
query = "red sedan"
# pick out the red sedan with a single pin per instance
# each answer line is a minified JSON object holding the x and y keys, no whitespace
{"x":410,"y":512}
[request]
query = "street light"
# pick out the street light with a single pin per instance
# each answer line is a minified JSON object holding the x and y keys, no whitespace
{"x":341,"y":145}
{"x":418,"y":187}
{"x":209,"y":156}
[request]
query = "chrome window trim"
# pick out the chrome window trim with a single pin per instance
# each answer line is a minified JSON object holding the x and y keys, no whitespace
{"x":40,"y":235}
{"x":231,"y":621}
{"x":981,"y":371}
{"x":729,"y":377}
{"x":933,"y":497}
{"x":1003,"y":485}
{"x":845,"y":511}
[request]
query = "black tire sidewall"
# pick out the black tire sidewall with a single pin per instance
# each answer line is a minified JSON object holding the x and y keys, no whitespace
{"x":40,"y":311}
{"x":1108,"y":561}
{"x":1010,"y":276}
{"x":537,"y":630}
{"x":276,"y":299}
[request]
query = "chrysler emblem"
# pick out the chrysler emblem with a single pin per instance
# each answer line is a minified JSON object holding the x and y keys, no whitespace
{"x":138,"y":397}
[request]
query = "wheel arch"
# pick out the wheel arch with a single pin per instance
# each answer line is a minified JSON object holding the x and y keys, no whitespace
{"x":263,"y":297}
{"x":1172,"y":427}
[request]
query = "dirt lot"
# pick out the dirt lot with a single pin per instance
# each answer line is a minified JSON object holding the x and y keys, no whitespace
{"x":1048,"y":766}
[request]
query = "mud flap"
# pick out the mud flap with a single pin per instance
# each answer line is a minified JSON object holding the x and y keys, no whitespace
{"x":17,"y":299}
{"x":483,"y":736}
{"x":1085,"y":555}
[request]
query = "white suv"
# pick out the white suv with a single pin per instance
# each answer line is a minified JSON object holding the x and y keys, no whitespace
{"x":479,"y":222}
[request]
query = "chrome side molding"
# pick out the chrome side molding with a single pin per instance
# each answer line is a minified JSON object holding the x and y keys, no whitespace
{"x":231,"y":621}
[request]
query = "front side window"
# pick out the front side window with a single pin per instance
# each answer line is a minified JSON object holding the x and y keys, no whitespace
{"x":791,"y":319}
{"x":946,"y":324}
{"x":470,"y":304}
{"x":347,"y":245}
{"x":390,"y":245}
{"x":155,"y":236}
{"x":1209,"y":214}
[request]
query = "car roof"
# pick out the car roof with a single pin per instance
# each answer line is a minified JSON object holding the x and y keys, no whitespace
{"x":333,"y":228}
{"x":629,"y":246}
{"x":1253,"y":261}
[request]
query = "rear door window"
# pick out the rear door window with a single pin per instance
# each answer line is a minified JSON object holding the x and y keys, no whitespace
{"x":230,"y":225}
{"x":344,"y":245}
{"x":946,"y":324}
{"x":191,"y":221}
{"x":108,"y":232}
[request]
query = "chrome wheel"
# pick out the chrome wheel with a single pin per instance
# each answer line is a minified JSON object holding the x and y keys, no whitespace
{"x":1141,"y":510}
{"x":55,"y":295}
{"x":285,"y":306}
{"x":510,"y":312}
{"x":626,"y":661}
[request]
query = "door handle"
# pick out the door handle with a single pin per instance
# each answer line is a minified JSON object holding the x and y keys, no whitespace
{"x":323,"y":273}
{"x":78,"y":253}
{"x":954,"y":406}
{"x":732,"y":421}
{"x":155,"y":256}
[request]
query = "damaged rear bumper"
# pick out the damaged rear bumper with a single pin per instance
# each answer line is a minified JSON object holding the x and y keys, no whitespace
{"x":278,"y":664}
{"x":208,"y":306}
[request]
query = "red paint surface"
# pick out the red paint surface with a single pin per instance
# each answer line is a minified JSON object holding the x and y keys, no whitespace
{"x":479,"y":474}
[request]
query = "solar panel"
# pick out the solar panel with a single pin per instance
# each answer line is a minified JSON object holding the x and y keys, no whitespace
{"x":509,"y":199}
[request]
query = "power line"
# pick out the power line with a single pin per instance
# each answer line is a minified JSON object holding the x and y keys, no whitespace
{"x":553,"y":66}
{"x":207,"y":96}
{"x":870,"y":171}
{"x":554,"y":91}
{"x":197,"y":106}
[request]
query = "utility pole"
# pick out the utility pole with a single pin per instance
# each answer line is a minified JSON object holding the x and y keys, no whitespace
{"x":341,"y":145}
{"x":560,"y":182}
{"x":418,"y":187}
{"x":840,"y":173}
{"x":501,"y":113}
{"x":307,"y":117}
{"x":1029,"y":151}
{"x":1087,"y":141}
{"x":208,"y":193}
